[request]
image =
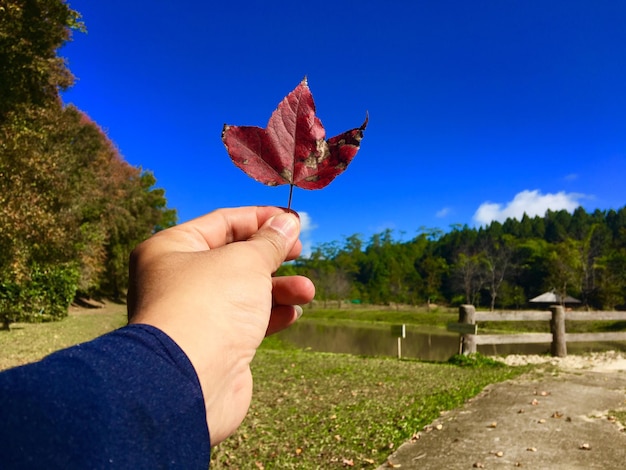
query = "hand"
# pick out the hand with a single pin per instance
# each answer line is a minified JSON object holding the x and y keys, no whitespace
{"x":208,"y":284}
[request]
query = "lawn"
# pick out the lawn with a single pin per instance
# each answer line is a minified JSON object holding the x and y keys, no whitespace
{"x":28,"y":342}
{"x":320,"y":410}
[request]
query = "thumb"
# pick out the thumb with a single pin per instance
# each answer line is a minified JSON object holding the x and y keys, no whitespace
{"x":277,"y":236}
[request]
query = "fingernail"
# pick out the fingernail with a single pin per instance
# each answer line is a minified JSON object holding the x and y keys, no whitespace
{"x":299,"y":311}
{"x":285,"y":223}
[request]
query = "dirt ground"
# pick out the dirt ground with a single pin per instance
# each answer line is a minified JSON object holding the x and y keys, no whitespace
{"x":557,"y":419}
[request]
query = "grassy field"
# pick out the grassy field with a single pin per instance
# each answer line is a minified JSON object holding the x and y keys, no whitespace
{"x":310,"y":410}
{"x":318,"y":410}
{"x":27,"y":342}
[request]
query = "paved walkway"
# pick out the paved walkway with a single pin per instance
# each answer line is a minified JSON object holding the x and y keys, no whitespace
{"x":551,"y":421}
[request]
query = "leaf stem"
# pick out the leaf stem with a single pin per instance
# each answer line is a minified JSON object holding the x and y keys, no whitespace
{"x":290,"y":194}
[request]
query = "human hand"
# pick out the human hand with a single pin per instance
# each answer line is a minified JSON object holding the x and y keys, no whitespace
{"x":208,"y":285}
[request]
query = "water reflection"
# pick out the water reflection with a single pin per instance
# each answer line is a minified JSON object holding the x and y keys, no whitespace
{"x":370,"y":340}
{"x":377,"y":340}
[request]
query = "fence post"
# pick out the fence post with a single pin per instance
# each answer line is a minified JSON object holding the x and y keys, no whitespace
{"x":466,"y":315}
{"x":558,"y":348}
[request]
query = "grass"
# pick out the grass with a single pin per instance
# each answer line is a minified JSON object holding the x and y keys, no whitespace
{"x":319,"y":410}
{"x":619,"y":415}
{"x":28,"y":342}
{"x":309,"y":410}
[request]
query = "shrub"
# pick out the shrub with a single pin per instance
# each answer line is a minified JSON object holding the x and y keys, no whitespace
{"x":44,"y":295}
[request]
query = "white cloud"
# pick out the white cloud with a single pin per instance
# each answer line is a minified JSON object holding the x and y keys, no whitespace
{"x":530,"y":202}
{"x":306,"y":223}
{"x":440,"y":214}
{"x":306,"y":227}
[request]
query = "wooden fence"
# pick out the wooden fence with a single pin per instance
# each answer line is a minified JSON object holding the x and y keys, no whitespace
{"x":558,"y":337}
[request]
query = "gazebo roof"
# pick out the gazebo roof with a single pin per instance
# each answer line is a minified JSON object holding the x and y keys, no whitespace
{"x":552,"y":297}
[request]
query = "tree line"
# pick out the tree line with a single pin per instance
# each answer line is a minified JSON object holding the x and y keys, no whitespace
{"x":71,"y":208}
{"x":501,"y":265}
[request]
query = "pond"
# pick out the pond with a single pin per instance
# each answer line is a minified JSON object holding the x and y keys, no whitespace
{"x":420,"y":343}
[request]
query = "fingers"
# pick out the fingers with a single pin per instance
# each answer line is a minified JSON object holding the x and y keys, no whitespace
{"x":225,"y":226}
{"x":276,"y":240}
{"x":282,"y":317}
{"x":288,"y":292}
{"x":292,"y":290}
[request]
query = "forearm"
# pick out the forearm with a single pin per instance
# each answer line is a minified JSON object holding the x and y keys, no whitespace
{"x":129,"y":399}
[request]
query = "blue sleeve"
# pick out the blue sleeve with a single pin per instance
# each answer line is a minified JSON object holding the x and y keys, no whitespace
{"x":130,"y":399}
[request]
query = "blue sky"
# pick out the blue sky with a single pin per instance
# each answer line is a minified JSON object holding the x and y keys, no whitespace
{"x":478,"y":110}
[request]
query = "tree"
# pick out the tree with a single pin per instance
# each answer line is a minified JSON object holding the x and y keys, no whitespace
{"x":612,"y":279}
{"x":431,"y":269}
{"x":70,"y":206}
{"x":565,"y":267}
{"x":31,"y":32}
{"x":498,"y":262}
{"x":141,"y":212}
{"x":331,"y":281}
{"x":469,"y":275}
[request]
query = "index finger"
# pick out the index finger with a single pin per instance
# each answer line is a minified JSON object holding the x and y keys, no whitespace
{"x":220,"y":227}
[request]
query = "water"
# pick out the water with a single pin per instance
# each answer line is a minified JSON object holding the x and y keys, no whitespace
{"x":434,"y":345}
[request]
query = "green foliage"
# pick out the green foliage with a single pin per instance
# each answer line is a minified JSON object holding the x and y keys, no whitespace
{"x":474,"y":360}
{"x":31,"y":32}
{"x":501,"y":265}
{"x":44,"y":295}
{"x":51,"y":289}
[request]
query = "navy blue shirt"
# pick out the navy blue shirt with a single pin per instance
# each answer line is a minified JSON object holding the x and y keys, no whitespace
{"x":127,"y":400}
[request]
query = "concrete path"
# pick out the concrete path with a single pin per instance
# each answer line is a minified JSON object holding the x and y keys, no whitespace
{"x":552,"y":421}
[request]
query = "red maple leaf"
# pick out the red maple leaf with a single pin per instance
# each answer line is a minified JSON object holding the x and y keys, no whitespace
{"x":292,"y":149}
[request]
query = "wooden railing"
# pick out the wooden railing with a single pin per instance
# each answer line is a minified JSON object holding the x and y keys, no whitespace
{"x":558,"y":337}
